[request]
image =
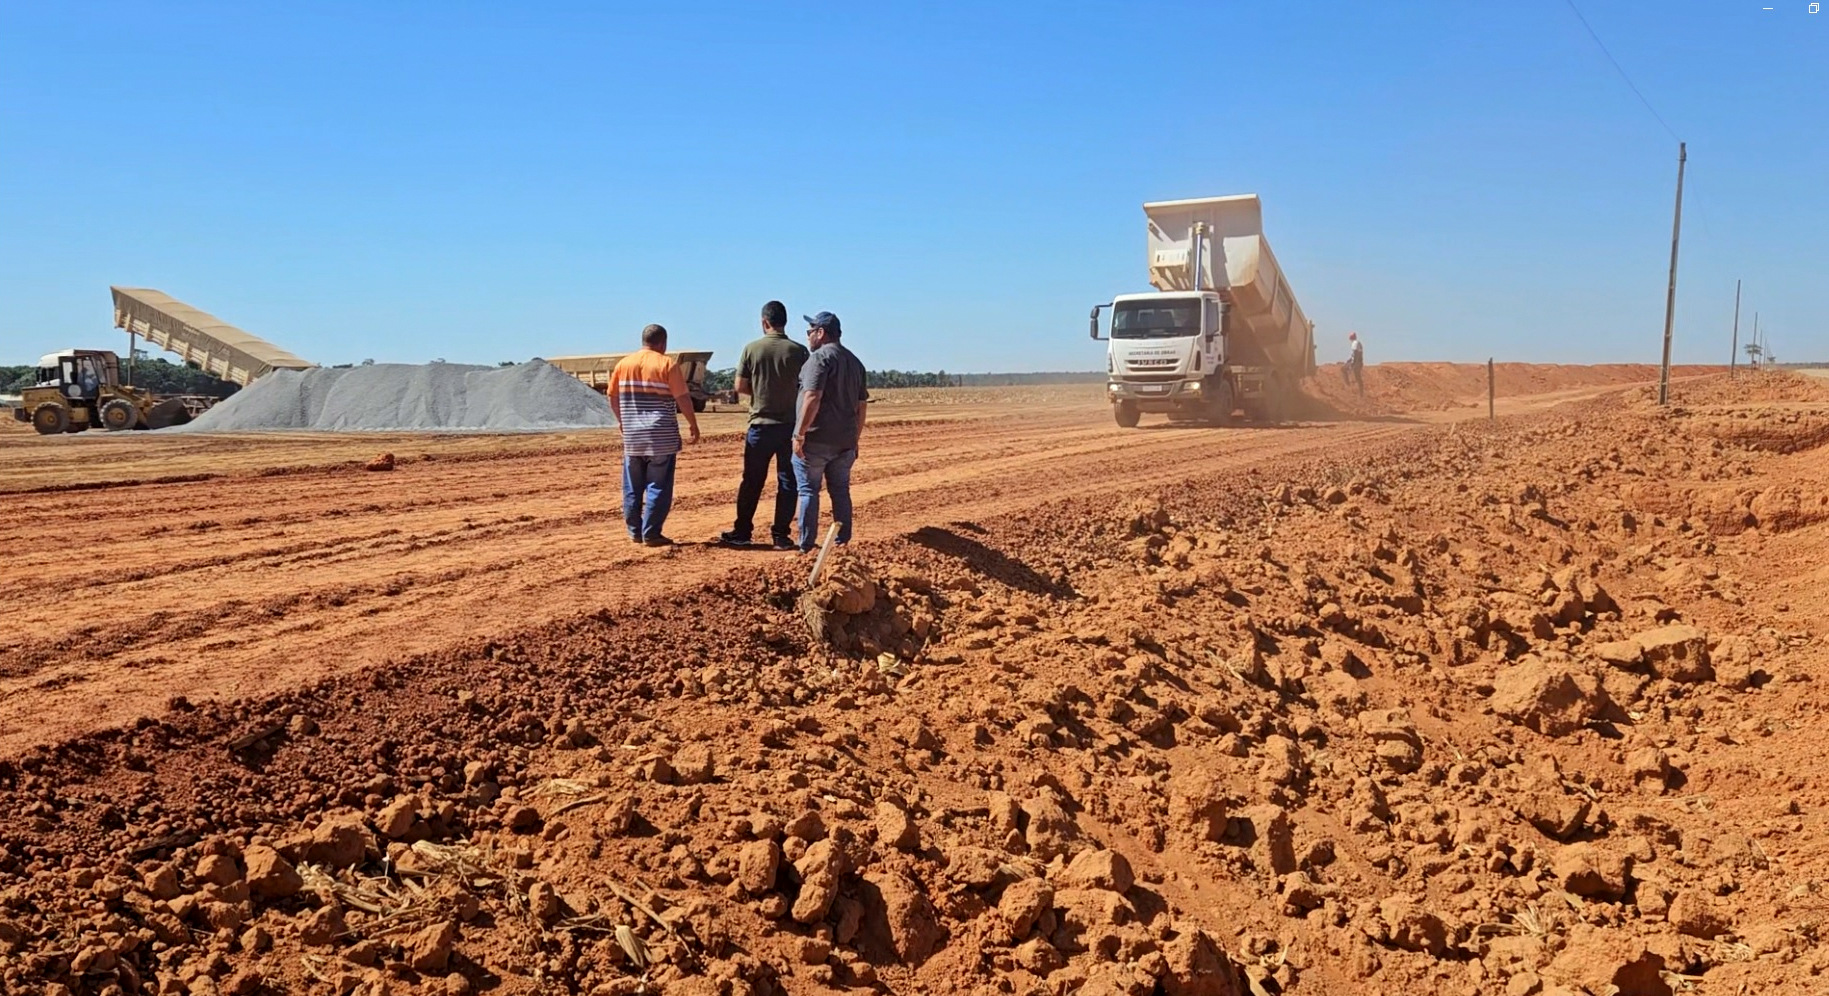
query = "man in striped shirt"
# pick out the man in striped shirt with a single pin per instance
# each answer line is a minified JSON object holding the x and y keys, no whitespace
{"x":646,"y":389}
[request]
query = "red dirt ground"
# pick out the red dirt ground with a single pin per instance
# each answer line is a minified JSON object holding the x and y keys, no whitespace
{"x":1392,"y":388}
{"x":1331,"y":709}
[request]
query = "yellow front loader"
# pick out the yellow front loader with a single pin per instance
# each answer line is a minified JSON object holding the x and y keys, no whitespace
{"x":80,"y":389}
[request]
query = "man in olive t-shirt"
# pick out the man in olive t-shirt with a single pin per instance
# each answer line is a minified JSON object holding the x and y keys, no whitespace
{"x":769,"y":372}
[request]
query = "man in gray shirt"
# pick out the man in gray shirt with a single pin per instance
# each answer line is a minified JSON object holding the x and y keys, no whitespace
{"x":769,"y":372}
{"x":833,"y":404}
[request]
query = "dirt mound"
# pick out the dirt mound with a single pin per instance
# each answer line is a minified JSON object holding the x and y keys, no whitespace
{"x":1745,"y":387}
{"x":10,"y":424}
{"x":852,"y":610}
{"x":1397,"y":388}
{"x":1462,"y":714}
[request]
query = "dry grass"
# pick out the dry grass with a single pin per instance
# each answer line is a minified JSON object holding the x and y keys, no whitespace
{"x":1530,"y":921}
{"x":400,"y":904}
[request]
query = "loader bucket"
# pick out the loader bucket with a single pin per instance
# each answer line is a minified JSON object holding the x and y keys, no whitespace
{"x":167,"y":413}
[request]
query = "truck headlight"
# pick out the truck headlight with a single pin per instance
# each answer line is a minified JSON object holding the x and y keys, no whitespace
{"x":1191,"y":387}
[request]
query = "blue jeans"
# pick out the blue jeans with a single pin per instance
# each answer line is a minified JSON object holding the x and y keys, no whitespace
{"x":763,"y":445}
{"x":833,"y":467}
{"x":647,"y":493}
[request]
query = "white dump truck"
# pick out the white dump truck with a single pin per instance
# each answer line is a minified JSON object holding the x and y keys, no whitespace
{"x":1221,"y":334}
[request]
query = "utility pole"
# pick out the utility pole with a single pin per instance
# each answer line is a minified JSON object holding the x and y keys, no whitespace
{"x":1670,"y":297}
{"x":1734,"y":349}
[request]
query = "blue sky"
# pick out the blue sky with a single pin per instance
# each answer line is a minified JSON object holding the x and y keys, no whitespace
{"x":485,"y":181}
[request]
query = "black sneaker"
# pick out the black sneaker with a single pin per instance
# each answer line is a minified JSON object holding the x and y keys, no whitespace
{"x":783,"y":543}
{"x":730,"y":538}
{"x":657,"y":541}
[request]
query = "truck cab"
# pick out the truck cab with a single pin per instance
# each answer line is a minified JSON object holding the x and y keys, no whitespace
{"x":1165,"y":352}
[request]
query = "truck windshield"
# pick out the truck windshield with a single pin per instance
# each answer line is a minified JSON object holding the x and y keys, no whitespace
{"x":1155,"y":319}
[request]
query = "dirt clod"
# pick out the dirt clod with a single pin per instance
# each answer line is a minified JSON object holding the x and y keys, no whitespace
{"x":895,"y":828}
{"x":1551,"y":699}
{"x":270,"y":875}
{"x":757,"y":865}
{"x":1099,"y":869}
{"x":429,"y":950}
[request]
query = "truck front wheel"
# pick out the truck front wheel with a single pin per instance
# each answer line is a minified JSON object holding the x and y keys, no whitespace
{"x":1127,"y":414}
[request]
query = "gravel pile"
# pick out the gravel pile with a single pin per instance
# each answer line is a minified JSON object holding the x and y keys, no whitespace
{"x":402,"y":396}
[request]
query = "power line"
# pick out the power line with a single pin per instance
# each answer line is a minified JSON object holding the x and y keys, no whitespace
{"x":1620,"y":69}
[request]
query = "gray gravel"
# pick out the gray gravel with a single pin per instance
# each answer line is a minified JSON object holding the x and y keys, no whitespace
{"x":402,"y":396}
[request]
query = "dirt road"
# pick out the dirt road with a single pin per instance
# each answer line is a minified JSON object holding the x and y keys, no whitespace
{"x":235,"y":565}
{"x":240,"y":585}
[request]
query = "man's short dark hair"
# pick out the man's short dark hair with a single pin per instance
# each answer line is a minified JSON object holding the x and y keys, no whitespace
{"x":775,"y":314}
{"x":654,"y":335}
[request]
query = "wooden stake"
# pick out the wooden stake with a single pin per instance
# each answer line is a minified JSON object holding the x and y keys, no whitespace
{"x":1492,"y":412}
{"x":825,"y":548}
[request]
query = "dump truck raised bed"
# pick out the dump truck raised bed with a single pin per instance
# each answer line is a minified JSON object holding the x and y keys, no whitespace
{"x":1221,"y":334}
{"x":200,"y":339}
{"x":595,"y":370}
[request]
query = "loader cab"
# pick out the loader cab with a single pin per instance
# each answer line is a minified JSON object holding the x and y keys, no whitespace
{"x":82,"y":377}
{"x":79,"y":374}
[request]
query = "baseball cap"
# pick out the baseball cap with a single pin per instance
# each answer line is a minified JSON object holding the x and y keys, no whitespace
{"x":825,"y":320}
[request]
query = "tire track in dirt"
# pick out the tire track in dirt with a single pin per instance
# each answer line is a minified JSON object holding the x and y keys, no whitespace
{"x":266,"y":580}
{"x":314,"y":573}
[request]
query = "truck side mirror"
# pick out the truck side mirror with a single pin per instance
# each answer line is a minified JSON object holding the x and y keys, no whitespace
{"x":1094,"y":332}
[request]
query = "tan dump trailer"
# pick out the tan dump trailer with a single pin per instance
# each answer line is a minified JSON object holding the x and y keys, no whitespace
{"x":595,"y":370}
{"x":203,"y":341}
{"x":80,"y":389}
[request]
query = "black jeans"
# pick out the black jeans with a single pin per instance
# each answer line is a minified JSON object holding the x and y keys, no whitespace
{"x":762,"y":444}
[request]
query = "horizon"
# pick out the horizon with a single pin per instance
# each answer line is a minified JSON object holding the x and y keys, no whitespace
{"x":475,"y":184}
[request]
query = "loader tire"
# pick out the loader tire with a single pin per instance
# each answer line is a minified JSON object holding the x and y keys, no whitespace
{"x":1127,"y":414}
{"x":119,"y":414}
{"x":166,"y":414}
{"x":51,"y":419}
